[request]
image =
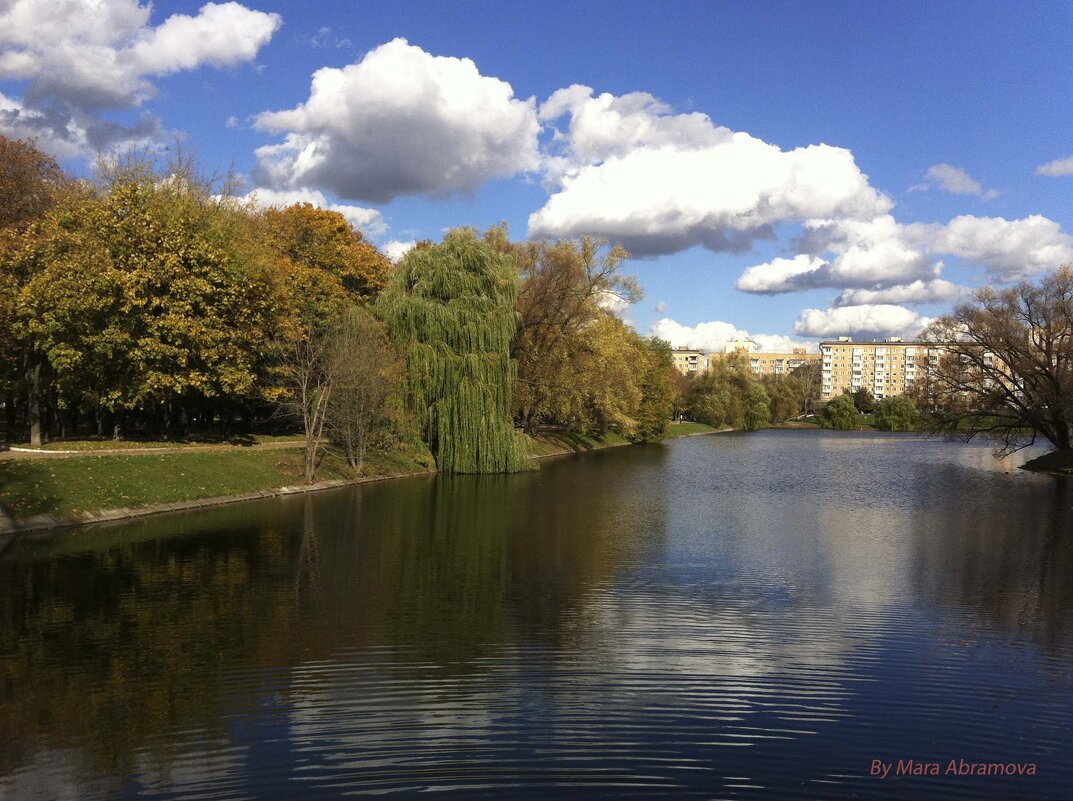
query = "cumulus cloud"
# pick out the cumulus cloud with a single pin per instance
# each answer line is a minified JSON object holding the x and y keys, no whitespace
{"x":880,"y":254}
{"x":395,"y":249}
{"x":934,"y":291}
{"x":866,"y":254}
{"x":784,"y":275}
{"x":1056,"y":168}
{"x":628,"y":169}
{"x":1009,"y":249}
{"x":80,"y":57}
{"x":712,"y":337}
{"x":368,"y":221}
{"x":955,"y":180}
{"x":875,"y":320}
{"x":400,"y":122}
{"x":609,"y":125}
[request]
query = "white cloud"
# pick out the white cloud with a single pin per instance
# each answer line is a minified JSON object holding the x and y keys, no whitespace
{"x":221,"y":35}
{"x":712,"y":336}
{"x":866,"y":254}
{"x":368,"y":221}
{"x":79,"y":57}
{"x":784,"y":275}
{"x":955,"y":180}
{"x":400,"y":122}
{"x":606,"y":125}
{"x":62,"y":138}
{"x":395,"y":249}
{"x":661,"y":306}
{"x":879,"y":254}
{"x":659,"y":183}
{"x":1009,"y":249}
{"x":878,"y":320}
{"x":934,"y":291}
{"x":1056,"y":168}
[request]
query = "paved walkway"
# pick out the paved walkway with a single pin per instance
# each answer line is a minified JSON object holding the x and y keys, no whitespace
{"x":20,"y":452}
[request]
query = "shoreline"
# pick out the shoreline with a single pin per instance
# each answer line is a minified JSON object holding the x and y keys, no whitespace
{"x":12,"y":527}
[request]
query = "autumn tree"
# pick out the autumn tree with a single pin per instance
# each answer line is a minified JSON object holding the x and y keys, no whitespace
{"x":566,"y":287}
{"x":896,"y":414}
{"x":308,"y":367}
{"x":1006,"y":366}
{"x":659,"y":389}
{"x":809,"y":376}
{"x":30,"y":181}
{"x":151,"y":293}
{"x":839,"y":413}
{"x":450,"y":309}
{"x":367,"y":372}
{"x":864,"y":400}
{"x":730,"y":395}
{"x":785,"y":395}
{"x":324,"y":241}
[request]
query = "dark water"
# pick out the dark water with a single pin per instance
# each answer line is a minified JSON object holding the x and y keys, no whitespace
{"x":737,"y":616}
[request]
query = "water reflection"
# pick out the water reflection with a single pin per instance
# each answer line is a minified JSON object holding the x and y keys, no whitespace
{"x":757,"y":616}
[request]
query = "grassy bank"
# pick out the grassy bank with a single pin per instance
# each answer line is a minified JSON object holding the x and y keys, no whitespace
{"x":1056,"y":462}
{"x":76,"y":484}
{"x":553,"y":443}
{"x":90,"y":483}
{"x":93,"y":444}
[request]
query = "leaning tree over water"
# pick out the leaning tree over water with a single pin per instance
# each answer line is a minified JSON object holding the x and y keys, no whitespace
{"x":450,"y":308}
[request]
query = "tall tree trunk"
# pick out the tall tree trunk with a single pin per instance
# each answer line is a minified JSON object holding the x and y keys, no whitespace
{"x":12,"y":415}
{"x":34,"y":404}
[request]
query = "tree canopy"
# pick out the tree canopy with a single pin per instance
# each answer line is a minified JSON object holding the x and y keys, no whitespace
{"x":450,"y":307}
{"x":1006,"y":365}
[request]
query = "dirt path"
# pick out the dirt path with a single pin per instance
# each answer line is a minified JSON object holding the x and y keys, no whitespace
{"x":34,"y":453}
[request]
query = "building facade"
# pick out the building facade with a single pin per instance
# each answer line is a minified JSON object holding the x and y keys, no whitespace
{"x":765,"y":363}
{"x":689,"y":362}
{"x":780,"y":363}
{"x":885,"y":368}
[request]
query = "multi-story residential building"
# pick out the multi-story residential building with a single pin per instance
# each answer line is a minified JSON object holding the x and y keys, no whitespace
{"x":780,"y":363}
{"x":885,"y":368}
{"x":766,"y":363}
{"x":689,"y":362}
{"x":742,"y":345}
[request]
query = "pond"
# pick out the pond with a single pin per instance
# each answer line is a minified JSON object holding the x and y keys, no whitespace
{"x":774,"y":615}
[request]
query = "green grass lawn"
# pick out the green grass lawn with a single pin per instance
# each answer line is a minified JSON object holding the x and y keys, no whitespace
{"x":686,"y":429}
{"x":107,"y":444}
{"x":67,"y":486}
{"x":89,"y":483}
{"x":550,"y":442}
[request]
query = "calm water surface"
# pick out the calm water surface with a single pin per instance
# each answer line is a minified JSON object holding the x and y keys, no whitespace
{"x":737,"y":616}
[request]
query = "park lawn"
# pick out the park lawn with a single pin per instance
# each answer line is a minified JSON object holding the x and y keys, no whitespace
{"x":552,"y":442}
{"x":687,"y":429}
{"x":92,"y":483}
{"x":90,"y":444}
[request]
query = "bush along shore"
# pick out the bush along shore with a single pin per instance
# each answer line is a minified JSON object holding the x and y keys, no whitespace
{"x":42,"y":492}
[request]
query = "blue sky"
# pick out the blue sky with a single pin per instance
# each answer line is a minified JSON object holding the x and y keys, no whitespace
{"x":793,"y":170}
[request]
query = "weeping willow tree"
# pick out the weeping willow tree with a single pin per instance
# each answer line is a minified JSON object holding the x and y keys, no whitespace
{"x":450,"y":307}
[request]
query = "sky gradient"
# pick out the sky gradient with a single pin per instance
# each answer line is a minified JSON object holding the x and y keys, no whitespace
{"x":795,"y":171}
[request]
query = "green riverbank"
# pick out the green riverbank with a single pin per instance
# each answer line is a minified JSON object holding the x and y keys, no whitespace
{"x":79,"y":486}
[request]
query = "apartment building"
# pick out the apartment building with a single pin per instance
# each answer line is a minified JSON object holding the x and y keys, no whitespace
{"x":689,"y":362}
{"x":780,"y":363}
{"x":884,"y":368}
{"x":767,"y":363}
